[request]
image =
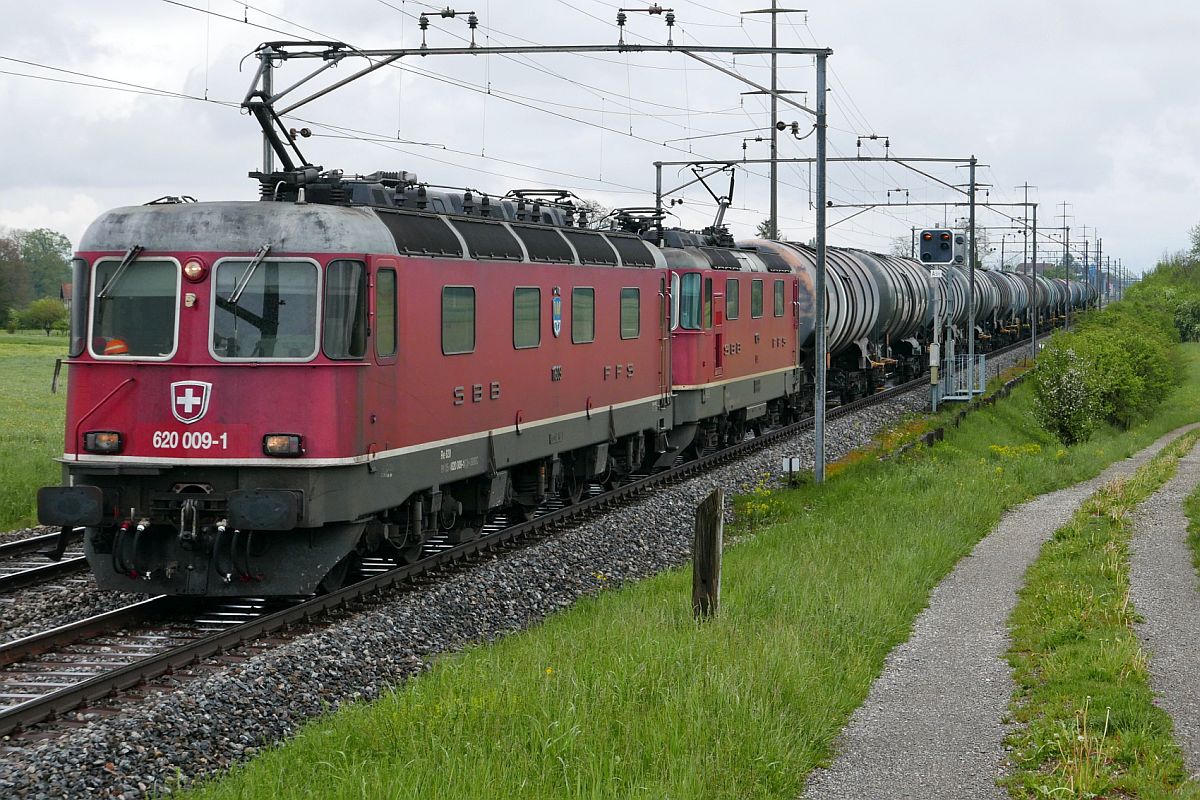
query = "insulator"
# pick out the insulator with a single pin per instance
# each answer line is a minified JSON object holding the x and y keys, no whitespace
{"x":423,"y":22}
{"x":447,"y":12}
{"x":472,"y":21}
{"x":670,"y":18}
{"x":621,"y":19}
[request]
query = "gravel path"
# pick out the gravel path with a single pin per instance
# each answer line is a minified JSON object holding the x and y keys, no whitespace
{"x":1162,"y":585}
{"x":932,"y":725}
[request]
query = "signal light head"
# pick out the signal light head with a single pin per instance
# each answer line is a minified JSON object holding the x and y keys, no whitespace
{"x":945,"y":236}
{"x":926,"y":236}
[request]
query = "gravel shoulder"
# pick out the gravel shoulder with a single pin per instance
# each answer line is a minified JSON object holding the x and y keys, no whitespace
{"x":1163,"y":588}
{"x":933,"y":722}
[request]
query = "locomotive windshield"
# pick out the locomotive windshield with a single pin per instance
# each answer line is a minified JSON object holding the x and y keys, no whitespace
{"x":134,"y":315}
{"x":274,"y":317}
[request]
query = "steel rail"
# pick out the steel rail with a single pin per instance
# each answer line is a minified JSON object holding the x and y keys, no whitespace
{"x":66,"y":699}
{"x":28,"y":577}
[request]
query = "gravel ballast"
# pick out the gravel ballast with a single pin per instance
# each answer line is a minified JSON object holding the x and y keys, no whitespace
{"x":224,"y":717}
{"x":1163,"y":588}
{"x":220,"y":719}
{"x":932,"y":725}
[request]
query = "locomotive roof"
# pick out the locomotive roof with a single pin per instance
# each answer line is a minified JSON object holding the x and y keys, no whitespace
{"x":240,"y":226}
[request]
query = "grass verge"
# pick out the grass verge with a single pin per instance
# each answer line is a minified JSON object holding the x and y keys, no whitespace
{"x":31,"y":423}
{"x":1091,"y":728}
{"x":1191,"y":507}
{"x":624,"y":695}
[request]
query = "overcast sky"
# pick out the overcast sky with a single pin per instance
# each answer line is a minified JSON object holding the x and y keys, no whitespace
{"x":1092,"y":102}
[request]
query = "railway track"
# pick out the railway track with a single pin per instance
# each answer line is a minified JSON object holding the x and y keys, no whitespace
{"x":23,"y":564}
{"x":49,"y":674}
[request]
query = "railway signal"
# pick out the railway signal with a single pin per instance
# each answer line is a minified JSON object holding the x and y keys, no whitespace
{"x":936,"y":246}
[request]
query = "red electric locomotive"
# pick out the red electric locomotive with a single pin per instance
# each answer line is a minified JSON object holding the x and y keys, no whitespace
{"x":262,"y":391}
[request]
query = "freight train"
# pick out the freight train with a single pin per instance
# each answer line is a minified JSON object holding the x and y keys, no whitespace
{"x":264,"y":392}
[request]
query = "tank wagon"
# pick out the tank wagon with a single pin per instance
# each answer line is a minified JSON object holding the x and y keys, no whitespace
{"x":264,"y":392}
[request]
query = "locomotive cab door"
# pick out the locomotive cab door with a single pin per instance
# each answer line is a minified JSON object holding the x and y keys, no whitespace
{"x":716,"y":302}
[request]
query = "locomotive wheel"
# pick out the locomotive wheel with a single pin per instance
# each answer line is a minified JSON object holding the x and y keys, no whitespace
{"x":344,"y":573}
{"x":572,"y":489}
{"x":410,"y":551}
{"x":521,"y":512}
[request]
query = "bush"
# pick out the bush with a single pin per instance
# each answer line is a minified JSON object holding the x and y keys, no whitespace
{"x":1115,"y":369}
{"x":1063,"y":400}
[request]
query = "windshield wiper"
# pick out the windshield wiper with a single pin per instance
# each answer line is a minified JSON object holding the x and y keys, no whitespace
{"x":130,"y":256}
{"x":244,"y":281}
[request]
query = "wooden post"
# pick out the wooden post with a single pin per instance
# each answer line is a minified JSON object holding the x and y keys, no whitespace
{"x":706,"y":555}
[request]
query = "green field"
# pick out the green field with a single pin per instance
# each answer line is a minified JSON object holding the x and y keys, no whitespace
{"x":31,"y":423}
{"x":624,"y":695}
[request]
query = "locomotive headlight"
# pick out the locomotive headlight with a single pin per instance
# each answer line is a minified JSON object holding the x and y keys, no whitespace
{"x":194,"y":270}
{"x":283,"y":444}
{"x":102,"y":442}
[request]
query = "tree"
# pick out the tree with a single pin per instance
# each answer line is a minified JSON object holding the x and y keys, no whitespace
{"x":15,"y":287}
{"x":44,"y":313}
{"x":47,"y":257}
{"x":1194,"y":235}
{"x":901,"y":246}
{"x":765,"y":231}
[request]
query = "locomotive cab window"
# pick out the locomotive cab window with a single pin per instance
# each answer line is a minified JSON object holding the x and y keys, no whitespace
{"x":689,"y":301}
{"x":385,"y":313}
{"x":345,"y":310}
{"x":583,"y":316}
{"x":631,"y":313}
{"x":80,"y":276}
{"x":265,"y":311}
{"x":527,"y":317}
{"x":779,"y":298}
{"x":756,"y":299}
{"x":732,"y":298}
{"x":134,"y":308}
{"x":458,"y":320}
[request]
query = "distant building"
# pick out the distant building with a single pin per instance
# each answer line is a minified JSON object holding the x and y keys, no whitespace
{"x":64,"y":294}
{"x":1042,"y":266}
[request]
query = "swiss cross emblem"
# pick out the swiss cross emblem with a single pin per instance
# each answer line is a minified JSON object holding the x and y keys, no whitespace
{"x":189,"y":400}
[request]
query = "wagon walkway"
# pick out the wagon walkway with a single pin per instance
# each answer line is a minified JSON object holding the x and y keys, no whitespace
{"x":1163,"y":588}
{"x":931,"y":725}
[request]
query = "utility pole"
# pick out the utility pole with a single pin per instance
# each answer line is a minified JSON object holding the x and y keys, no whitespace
{"x":1067,"y":256}
{"x":971,"y":291}
{"x":821,"y":355}
{"x":1033,"y":299}
{"x":774,"y":11}
{"x":1025,"y":247}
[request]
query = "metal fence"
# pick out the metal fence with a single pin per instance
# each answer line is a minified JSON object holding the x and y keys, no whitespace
{"x":952,"y":383}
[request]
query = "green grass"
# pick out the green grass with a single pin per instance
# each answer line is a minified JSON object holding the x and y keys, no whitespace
{"x":31,"y":423}
{"x":624,"y":695}
{"x":1191,"y":506}
{"x":1091,"y":728}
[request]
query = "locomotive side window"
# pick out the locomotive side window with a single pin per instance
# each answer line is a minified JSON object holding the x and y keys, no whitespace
{"x":779,"y":298}
{"x":79,"y":300}
{"x":733,"y":299}
{"x":527,"y":317}
{"x":274,"y":317}
{"x":631,"y":313}
{"x":583,"y":315}
{"x":385,"y":313}
{"x":689,"y":301}
{"x":134,"y":309}
{"x":345,"y":310}
{"x":708,"y":302}
{"x":756,"y":299}
{"x":458,"y":319}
